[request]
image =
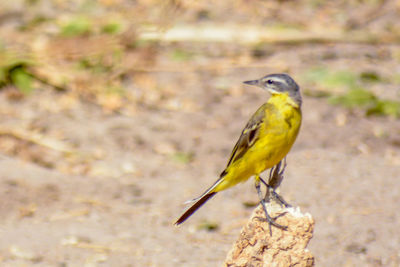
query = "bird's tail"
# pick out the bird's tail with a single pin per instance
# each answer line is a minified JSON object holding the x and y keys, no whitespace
{"x":199,"y":202}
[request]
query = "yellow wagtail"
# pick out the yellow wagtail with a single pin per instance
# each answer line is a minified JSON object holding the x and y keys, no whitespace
{"x":264,"y":142}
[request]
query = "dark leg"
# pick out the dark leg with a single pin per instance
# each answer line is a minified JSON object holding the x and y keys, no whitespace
{"x":262,"y":200}
{"x":280,"y":199}
{"x":276,"y":174}
{"x":274,"y":179}
{"x":284,"y":167}
{"x":271,"y":190}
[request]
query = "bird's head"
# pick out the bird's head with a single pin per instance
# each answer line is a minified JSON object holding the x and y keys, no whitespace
{"x":278,"y":84}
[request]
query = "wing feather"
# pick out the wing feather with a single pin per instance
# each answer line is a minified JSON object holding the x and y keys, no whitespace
{"x":249,"y":135}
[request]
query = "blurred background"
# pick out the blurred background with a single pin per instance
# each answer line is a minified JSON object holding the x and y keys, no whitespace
{"x":115,"y":112}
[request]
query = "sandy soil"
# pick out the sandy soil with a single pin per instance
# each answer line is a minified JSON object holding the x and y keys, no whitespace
{"x":98,"y":180}
{"x":121,"y":212}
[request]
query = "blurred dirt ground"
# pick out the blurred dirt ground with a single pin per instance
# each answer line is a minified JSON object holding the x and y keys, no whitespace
{"x":114,"y":113}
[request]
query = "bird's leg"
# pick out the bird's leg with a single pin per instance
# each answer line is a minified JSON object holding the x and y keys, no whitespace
{"x":275,"y":179}
{"x":270,"y":178}
{"x":274,"y":194}
{"x":271,"y":171}
{"x":262,"y":201}
{"x":276,"y":174}
{"x":280,"y":199}
{"x":284,"y":165}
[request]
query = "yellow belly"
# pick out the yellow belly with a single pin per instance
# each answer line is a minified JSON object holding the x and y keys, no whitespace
{"x":277,"y":135}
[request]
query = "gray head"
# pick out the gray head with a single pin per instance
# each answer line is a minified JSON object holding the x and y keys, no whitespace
{"x":278,"y":84}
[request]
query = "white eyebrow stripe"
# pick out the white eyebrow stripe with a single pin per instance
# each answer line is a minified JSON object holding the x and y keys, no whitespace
{"x":277,"y":79}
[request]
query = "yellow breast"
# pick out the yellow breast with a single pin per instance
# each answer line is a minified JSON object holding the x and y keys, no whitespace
{"x":279,"y":132}
{"x":281,"y":124}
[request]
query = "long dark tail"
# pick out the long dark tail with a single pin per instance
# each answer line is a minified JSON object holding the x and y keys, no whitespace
{"x":195,"y":207}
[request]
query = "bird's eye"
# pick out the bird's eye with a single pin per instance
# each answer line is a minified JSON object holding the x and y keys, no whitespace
{"x":270,"y":81}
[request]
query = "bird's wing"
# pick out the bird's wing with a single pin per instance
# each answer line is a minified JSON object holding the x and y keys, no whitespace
{"x":249,"y":135}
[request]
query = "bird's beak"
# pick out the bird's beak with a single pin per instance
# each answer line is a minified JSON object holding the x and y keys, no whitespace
{"x":253,"y":82}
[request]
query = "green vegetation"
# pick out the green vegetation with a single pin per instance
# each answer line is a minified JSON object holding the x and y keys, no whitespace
{"x":76,"y":27}
{"x":250,"y":204}
{"x":385,"y":107}
{"x":181,"y":55}
{"x":370,"y":76}
{"x":183,"y":157}
{"x":14,"y":71}
{"x":94,"y":64}
{"x":209,"y":226}
{"x":356,"y":96}
{"x":329,"y":79}
{"x":21,"y":78}
{"x":112,"y":28}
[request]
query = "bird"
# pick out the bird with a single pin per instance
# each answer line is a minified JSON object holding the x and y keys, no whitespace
{"x":263,"y":144}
